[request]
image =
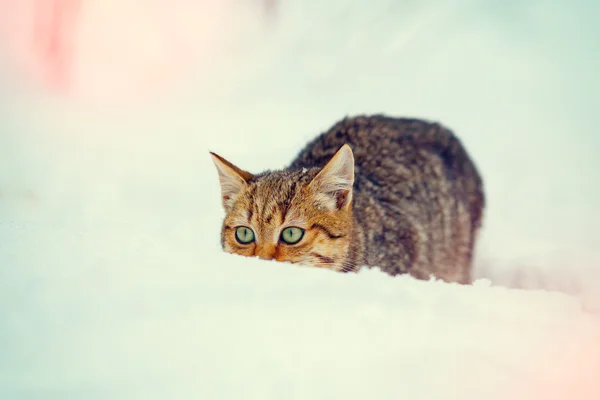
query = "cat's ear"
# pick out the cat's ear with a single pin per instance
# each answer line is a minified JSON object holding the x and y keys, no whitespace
{"x":333,"y":184}
{"x":232,"y":180}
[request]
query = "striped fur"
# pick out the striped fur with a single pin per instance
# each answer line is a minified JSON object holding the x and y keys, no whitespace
{"x":399,"y":194}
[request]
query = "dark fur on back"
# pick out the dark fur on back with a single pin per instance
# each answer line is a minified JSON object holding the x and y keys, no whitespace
{"x":418,"y":198}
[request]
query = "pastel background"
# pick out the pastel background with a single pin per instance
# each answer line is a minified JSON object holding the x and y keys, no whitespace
{"x":112,"y":281}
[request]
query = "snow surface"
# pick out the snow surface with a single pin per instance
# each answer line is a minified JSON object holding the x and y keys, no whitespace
{"x":112,"y":282}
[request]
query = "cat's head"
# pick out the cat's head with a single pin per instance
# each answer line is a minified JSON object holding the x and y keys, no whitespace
{"x":301,"y":216}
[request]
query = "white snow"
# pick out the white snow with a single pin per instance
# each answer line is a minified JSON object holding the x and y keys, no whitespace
{"x":113,"y":285}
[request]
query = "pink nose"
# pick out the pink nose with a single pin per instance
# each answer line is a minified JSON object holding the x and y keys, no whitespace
{"x":265,"y":252}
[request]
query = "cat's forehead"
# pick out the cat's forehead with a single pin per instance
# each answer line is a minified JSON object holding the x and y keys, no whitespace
{"x":274,"y":193}
{"x":277,"y":186}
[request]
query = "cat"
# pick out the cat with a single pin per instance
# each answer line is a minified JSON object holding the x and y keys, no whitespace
{"x":395,"y":193}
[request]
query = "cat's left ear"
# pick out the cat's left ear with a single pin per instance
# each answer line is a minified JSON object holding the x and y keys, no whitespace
{"x":334,"y":182}
{"x":232,"y":180}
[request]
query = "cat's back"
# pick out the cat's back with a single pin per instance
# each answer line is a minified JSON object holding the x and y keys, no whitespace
{"x":411,"y":175}
{"x":375,"y":139}
{"x":396,"y":156}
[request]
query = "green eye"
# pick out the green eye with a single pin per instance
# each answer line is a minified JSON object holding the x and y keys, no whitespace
{"x":292,"y":235}
{"x":244,"y":235}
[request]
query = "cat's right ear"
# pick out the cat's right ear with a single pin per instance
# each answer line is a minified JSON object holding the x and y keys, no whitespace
{"x":333,"y":184}
{"x":231,"y":178}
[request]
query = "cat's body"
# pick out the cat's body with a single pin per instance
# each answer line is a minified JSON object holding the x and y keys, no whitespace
{"x":406,"y":198}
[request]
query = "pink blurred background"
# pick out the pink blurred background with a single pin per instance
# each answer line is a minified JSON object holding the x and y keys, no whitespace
{"x":111,"y":49}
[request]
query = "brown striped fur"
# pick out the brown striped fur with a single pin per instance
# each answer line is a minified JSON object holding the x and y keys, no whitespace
{"x":399,"y":194}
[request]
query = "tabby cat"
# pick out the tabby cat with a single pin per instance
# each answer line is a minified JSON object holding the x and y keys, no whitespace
{"x":395,"y":193}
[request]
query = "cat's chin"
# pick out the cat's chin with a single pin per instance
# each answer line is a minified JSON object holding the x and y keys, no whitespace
{"x":333,"y":267}
{"x":328,"y":264}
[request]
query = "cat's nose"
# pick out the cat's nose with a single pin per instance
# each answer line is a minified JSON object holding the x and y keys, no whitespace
{"x":265,"y":252}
